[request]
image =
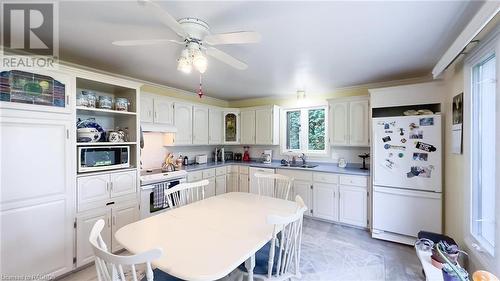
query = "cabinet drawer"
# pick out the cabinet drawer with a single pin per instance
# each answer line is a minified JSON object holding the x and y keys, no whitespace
{"x":195,"y":176}
{"x":244,"y":170}
{"x":326,"y":177}
{"x":354,"y":180}
{"x":297,"y":175}
{"x":220,"y":171}
{"x":209,"y":173}
{"x":232,"y":169}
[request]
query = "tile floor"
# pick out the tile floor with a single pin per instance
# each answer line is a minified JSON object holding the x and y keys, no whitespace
{"x":335,"y":252}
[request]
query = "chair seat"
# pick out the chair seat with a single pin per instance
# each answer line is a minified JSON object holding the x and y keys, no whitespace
{"x":162,"y":276}
{"x":261,"y":260}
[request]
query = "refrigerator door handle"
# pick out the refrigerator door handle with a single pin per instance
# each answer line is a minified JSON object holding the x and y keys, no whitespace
{"x":409,"y":193}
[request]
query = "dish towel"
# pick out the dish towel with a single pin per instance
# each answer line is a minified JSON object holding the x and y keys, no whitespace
{"x":158,"y":195}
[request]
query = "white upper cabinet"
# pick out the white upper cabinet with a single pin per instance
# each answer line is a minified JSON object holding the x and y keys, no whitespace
{"x":358,"y":123}
{"x":340,"y":131}
{"x":163,"y":111}
{"x":248,"y":127}
{"x":260,"y":125}
{"x":214,"y":126}
{"x":200,"y":125}
{"x":349,"y":119}
{"x":267,"y":125}
{"x":183,"y":113}
{"x":147,"y":109}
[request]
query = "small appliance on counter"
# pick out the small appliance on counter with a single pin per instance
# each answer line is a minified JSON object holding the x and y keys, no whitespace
{"x":237,"y":156}
{"x":201,"y":159}
{"x":219,"y":155}
{"x":246,"y":154}
{"x":228,"y":156}
{"x":267,"y":156}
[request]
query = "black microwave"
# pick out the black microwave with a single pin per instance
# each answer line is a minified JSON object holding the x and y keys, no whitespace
{"x":97,"y":158}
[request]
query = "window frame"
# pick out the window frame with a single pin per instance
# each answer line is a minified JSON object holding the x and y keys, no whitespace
{"x":489,"y":46}
{"x":304,"y":132}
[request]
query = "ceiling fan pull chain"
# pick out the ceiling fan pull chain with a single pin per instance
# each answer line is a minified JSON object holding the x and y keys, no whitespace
{"x":200,"y":91}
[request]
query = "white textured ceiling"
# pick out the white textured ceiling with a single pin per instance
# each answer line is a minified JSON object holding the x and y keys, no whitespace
{"x":316,"y":46}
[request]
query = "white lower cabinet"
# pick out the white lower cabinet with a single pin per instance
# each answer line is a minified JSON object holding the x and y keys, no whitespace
{"x":325,"y":201}
{"x":122,"y":215}
{"x":243,"y":183}
{"x":96,"y":190}
{"x":333,"y":197}
{"x":220,"y":184}
{"x":84,"y":224}
{"x":353,"y":205}
{"x":114,"y":216}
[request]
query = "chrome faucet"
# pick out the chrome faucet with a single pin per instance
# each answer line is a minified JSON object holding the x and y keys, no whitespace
{"x":303,"y":157}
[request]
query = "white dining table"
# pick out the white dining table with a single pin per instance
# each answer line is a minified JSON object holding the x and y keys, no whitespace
{"x":208,"y":239}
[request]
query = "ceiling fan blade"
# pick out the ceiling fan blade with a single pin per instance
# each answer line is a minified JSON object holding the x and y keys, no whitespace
{"x":240,"y":37}
{"x":164,"y":17}
{"x":128,"y":43}
{"x":220,"y":55}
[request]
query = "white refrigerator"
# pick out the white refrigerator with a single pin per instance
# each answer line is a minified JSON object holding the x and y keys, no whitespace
{"x":407,"y":180}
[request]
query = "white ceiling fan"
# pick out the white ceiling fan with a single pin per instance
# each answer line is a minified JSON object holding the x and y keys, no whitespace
{"x":197,"y":39}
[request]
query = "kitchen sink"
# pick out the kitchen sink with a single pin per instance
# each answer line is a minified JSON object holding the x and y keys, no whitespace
{"x":307,"y":166}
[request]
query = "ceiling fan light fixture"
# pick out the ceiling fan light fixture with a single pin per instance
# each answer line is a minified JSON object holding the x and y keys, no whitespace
{"x":200,"y":62}
{"x":184,"y":62}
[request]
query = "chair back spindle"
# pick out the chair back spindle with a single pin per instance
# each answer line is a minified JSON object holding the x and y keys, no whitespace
{"x":274,"y":185}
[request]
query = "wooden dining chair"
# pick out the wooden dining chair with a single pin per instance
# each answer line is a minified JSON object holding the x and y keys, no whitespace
{"x":185,"y":193}
{"x":111,"y":267}
{"x":279,"y":259}
{"x":274,"y":185}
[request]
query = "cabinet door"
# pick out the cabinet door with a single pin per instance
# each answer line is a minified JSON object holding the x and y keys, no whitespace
{"x":184,"y":123}
{"x":231,"y":128}
{"x":248,"y":127}
{"x":339,"y":121}
{"x":210,"y":189}
{"x":358,"y":123}
{"x":214,"y":126}
{"x":353,"y":205}
{"x":84,"y":224}
{"x":163,"y":111}
{"x":243,"y":183}
{"x":92,"y":189}
{"x":254,"y":183}
{"x":147,"y":109}
{"x":264,"y":130}
{"x":220,"y":184}
{"x":123,"y":183}
{"x":303,"y":189}
{"x":325,"y":198}
{"x":122,"y":215}
{"x":200,"y":125}
{"x":232,"y":182}
{"x":37,"y":195}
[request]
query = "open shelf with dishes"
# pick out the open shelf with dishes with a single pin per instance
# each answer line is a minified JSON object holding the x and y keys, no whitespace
{"x":107,"y":118}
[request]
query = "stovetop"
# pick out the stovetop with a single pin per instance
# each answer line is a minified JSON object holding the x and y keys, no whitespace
{"x":157,"y":175}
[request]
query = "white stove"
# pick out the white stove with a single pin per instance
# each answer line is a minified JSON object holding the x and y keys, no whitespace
{"x":156,"y":176}
{"x":152,"y":179}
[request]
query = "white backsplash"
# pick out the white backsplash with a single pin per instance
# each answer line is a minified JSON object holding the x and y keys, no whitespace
{"x":153,"y":153}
